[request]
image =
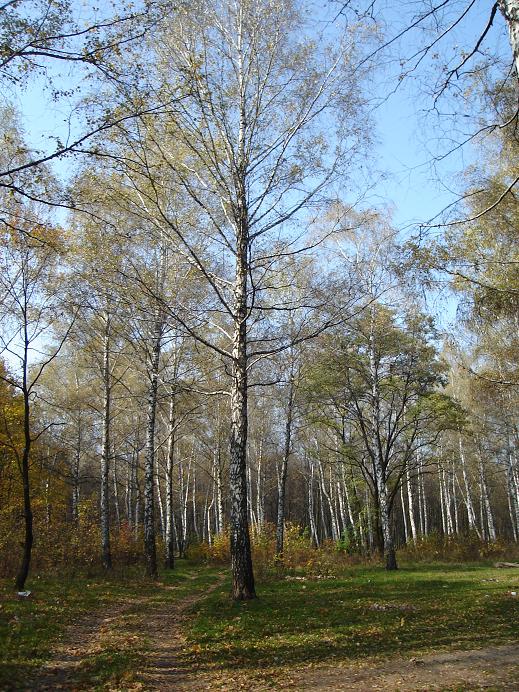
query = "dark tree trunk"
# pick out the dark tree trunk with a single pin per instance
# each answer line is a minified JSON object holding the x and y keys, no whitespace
{"x":27,"y":510}
{"x":241,"y":558}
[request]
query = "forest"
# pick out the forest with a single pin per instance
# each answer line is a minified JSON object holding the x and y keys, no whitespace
{"x":232,"y":359}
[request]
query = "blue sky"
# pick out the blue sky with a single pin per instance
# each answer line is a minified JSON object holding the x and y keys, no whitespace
{"x":406,"y":142}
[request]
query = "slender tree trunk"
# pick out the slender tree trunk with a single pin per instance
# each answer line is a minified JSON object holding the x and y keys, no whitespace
{"x":260,"y":511}
{"x":410,"y":499}
{"x":378,"y":464}
{"x":115,"y":481}
{"x":150,"y":548}
{"x":219,"y":491}
{"x":485,"y":497}
{"x":282,"y":480}
{"x":75,"y":486}
{"x":27,"y":509}
{"x":512,"y":492}
{"x":252,"y":515}
{"x":193,"y":503}
{"x":170,"y":538}
{"x":454,"y":501}
{"x":129,"y":489}
{"x":106,"y":555}
{"x":404,"y":513}
{"x":162,"y":519}
{"x":311,"y":504}
{"x":349,"y":509}
{"x":369,"y":519}
{"x":324,"y":524}
{"x":329,"y":500}
{"x":471,"y":515}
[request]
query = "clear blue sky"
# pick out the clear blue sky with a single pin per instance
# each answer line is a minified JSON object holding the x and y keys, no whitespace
{"x":406,"y":141}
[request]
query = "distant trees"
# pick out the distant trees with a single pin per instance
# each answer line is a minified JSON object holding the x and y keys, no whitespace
{"x":377,"y":389}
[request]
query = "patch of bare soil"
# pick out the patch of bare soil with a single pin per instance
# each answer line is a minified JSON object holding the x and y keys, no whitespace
{"x":493,"y":668}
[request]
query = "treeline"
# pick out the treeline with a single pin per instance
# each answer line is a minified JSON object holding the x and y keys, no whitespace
{"x":214,"y":336}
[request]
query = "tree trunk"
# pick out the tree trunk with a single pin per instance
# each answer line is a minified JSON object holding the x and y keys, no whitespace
{"x":241,"y":558}
{"x":410,"y":499}
{"x":170,"y":537}
{"x":379,"y":469}
{"x":193,"y":503}
{"x":329,"y":500}
{"x":116,"y":493}
{"x":311,"y":504}
{"x":219,"y":491}
{"x":106,"y":555}
{"x":260,"y":511}
{"x":162,"y":520}
{"x":485,"y":497}
{"x":512,"y":492}
{"x":404,"y":513}
{"x":454,"y":500}
{"x":471,"y":515}
{"x":27,"y":510}
{"x":510,"y":12}
{"x":150,"y":549}
{"x":282,"y":480}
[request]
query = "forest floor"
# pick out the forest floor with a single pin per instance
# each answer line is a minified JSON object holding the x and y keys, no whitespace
{"x":439,"y":627}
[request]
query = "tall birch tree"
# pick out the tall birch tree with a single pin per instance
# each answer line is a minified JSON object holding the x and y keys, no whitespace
{"x":268,"y":113}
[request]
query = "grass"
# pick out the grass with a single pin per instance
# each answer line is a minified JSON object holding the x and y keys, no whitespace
{"x":363,"y":614}
{"x":31,"y":628}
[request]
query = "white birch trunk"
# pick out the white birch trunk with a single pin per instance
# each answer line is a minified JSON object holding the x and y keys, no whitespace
{"x":485,"y":496}
{"x":170,"y":463}
{"x":510,"y":11}
{"x":378,"y":467}
{"x":106,"y":446}
{"x":311,"y":504}
{"x":467,"y":495}
{"x":404,"y":513}
{"x":150,"y":549}
{"x":410,"y":499}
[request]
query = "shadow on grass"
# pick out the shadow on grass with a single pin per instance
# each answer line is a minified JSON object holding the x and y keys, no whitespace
{"x":366,"y":613}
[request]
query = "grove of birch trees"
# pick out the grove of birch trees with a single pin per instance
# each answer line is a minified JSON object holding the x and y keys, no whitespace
{"x":209,"y":330}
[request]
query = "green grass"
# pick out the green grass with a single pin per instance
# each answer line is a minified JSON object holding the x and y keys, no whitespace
{"x":361,"y":614}
{"x":30,"y":628}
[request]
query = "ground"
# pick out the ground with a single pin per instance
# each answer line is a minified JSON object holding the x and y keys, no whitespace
{"x":424,"y":628}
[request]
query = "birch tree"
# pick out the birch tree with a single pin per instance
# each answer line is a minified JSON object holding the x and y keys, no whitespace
{"x":246,"y":145}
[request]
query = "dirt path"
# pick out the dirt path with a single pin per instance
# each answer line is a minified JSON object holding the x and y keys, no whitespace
{"x":124,"y":624}
{"x":79,"y":641}
{"x":493,"y":668}
{"x":168,"y":668}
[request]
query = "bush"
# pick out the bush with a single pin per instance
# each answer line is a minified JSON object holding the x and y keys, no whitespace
{"x":459,"y":548}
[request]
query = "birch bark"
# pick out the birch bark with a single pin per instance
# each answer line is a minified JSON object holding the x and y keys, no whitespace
{"x":106,"y":555}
